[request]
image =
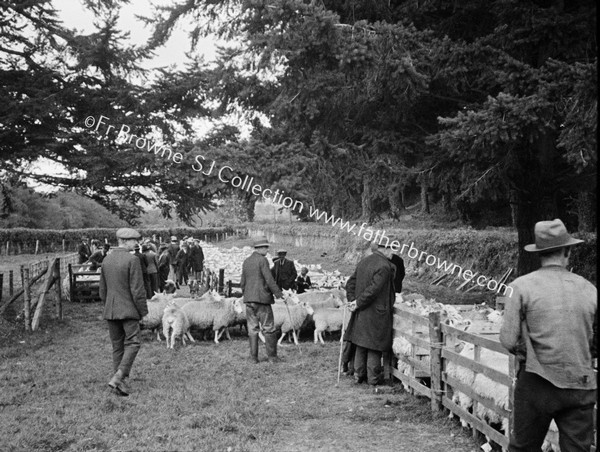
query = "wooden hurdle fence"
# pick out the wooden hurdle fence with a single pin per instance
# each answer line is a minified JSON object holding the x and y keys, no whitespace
{"x":432,"y":351}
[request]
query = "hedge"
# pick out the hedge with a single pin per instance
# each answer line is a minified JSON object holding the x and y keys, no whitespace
{"x":489,"y":252}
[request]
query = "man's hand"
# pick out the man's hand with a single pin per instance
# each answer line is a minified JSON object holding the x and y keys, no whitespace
{"x":282,"y":299}
{"x":352,"y":306}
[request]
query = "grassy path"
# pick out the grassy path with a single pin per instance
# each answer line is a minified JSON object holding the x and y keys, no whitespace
{"x":203,"y":397}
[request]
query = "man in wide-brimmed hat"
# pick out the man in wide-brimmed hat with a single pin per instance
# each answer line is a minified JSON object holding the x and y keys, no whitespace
{"x":258,"y":287}
{"x":550,"y":324}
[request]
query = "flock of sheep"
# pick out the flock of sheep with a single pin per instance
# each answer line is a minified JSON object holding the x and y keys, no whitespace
{"x":212,"y":312}
{"x":477,"y":320}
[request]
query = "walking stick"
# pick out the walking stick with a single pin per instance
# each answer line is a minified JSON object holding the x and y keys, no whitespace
{"x":341,"y":345}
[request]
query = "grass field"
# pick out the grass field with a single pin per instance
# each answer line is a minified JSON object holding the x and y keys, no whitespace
{"x":202,"y":397}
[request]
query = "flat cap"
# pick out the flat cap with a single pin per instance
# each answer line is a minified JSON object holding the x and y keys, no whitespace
{"x":281,"y":250}
{"x":127,"y":233}
{"x":260,"y":242}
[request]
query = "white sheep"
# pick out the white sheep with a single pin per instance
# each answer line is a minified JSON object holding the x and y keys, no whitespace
{"x":156,"y":308}
{"x":329,"y":319}
{"x":289,"y":318}
{"x":175,"y":323}
{"x":215,"y":315}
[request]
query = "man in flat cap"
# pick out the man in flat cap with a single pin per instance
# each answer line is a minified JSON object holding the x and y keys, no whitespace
{"x":124,"y":296}
{"x":369,"y":331}
{"x":550,"y":324}
{"x":173,"y":249}
{"x":258,"y":287}
{"x":284,"y":271}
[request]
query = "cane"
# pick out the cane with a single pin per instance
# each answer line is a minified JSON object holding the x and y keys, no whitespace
{"x":341,"y":345}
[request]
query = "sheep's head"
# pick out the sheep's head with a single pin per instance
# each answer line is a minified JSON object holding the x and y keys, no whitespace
{"x":162,"y":297}
{"x":237,"y":305}
{"x":290,"y":295}
{"x":308,"y":308}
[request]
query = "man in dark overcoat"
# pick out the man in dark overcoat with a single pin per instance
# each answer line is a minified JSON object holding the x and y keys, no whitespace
{"x":258,"y":287}
{"x":173,"y":250}
{"x":196,"y":259}
{"x":284,"y":271}
{"x":84,"y":250}
{"x":124,"y":296}
{"x":371,"y":287}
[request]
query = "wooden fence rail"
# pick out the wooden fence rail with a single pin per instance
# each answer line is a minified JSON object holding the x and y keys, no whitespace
{"x":430,"y":359}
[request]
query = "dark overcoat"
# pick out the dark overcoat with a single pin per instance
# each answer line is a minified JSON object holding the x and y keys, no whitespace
{"x":284,"y":272}
{"x":257,"y":283}
{"x":372,"y":286}
{"x":196,"y":258}
{"x":122,"y":286}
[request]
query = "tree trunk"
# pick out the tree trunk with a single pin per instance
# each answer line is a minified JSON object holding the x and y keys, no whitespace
{"x":585,"y":212}
{"x":367,"y":200}
{"x":396,"y":205}
{"x":424,"y":195}
{"x":249,"y":204}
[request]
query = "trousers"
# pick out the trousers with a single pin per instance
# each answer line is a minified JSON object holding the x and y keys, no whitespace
{"x":367,"y":365}
{"x":537,"y":402}
{"x":125,"y":343}
{"x":258,"y":314}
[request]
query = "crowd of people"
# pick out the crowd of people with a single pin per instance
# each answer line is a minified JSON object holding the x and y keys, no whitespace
{"x":179,"y":260}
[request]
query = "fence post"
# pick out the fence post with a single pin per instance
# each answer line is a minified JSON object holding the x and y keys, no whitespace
{"x":1,"y":285}
{"x":26,"y":299}
{"x":7,"y":247}
{"x":435,"y":339}
{"x":11,"y":284}
{"x":63,"y":245}
{"x":512,"y":374}
{"x":221,"y":280}
{"x":37,"y":246}
{"x":58,"y":288}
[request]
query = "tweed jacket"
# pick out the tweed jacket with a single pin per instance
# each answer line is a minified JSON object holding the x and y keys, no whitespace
{"x":151,"y":261}
{"x":550,"y":323}
{"x":257,"y":283}
{"x":122,"y":286}
{"x":84,"y":252}
{"x":284,"y":273}
{"x":372,"y":286}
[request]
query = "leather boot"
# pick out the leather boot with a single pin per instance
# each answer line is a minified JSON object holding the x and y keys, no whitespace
{"x":118,"y":384}
{"x":253,"y":348}
{"x":271,"y":346}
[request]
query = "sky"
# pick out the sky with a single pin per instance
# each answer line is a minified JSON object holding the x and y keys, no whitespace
{"x":74,"y":15}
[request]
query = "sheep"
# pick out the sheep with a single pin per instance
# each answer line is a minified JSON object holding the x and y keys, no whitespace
{"x":217,"y":315}
{"x":207,"y":297}
{"x":322,"y":298}
{"x":282,"y":315}
{"x":175,"y":322}
{"x":156,"y":307}
{"x":329,"y":319}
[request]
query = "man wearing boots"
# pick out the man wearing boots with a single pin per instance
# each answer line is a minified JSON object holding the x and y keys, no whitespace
{"x":124,"y":296}
{"x":258,"y":287}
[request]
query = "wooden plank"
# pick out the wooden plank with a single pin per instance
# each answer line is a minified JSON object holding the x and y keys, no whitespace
{"x":19,"y":293}
{"x":415,"y":363}
{"x":421,"y":389}
{"x":59,"y":309}
{"x":490,"y":344}
{"x":50,"y":279}
{"x":415,"y":340}
{"x":435,"y":335}
{"x":477,"y":423}
{"x":26,"y":298}
{"x":458,"y":385}
{"x":411,"y":316}
{"x":492,"y":374}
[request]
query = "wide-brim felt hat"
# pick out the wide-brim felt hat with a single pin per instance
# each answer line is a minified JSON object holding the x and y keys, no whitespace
{"x":127,"y":234}
{"x":551,"y":235}
{"x":261,"y":242}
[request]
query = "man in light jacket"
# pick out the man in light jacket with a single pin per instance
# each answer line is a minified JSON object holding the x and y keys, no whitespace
{"x":550,"y":324}
{"x":258,"y":287}
{"x":124,"y":296}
